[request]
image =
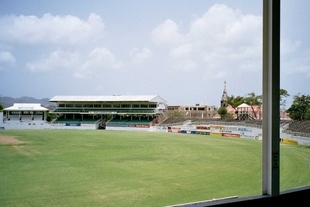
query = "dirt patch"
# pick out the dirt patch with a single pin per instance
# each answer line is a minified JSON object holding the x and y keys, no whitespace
{"x":9,"y":140}
{"x":18,"y":146}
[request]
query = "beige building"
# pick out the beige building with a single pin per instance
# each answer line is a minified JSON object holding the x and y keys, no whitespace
{"x":196,"y":111}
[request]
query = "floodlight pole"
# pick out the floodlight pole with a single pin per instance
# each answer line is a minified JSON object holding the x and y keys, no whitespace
{"x":271,"y":98}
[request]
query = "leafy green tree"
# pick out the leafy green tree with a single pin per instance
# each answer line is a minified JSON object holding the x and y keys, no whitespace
{"x":307,"y":114}
{"x":283,"y":94}
{"x":224,"y":113}
{"x":253,"y":100}
{"x":300,"y":108}
{"x":1,"y":107}
{"x":235,"y":101}
{"x":50,"y":117}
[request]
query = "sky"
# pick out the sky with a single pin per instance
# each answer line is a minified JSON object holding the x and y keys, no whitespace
{"x":181,"y":50}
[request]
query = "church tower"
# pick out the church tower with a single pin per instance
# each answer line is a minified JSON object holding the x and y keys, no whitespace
{"x":224,"y":97}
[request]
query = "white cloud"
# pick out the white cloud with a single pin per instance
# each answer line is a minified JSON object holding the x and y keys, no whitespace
{"x":101,"y":58}
{"x":214,"y":43}
{"x":97,"y":61}
{"x":215,"y":75}
{"x":181,"y":51}
{"x":6,"y":59}
{"x":57,"y":60}
{"x":81,"y":65}
{"x":74,"y":44}
{"x":296,"y":63}
{"x":185,"y":64}
{"x":182,"y":58}
{"x":139,"y":56}
{"x":294,"y":58}
{"x":49,"y":29}
{"x":167,"y":33}
{"x":288,"y":46}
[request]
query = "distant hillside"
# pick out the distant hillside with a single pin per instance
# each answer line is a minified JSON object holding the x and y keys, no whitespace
{"x":9,"y":101}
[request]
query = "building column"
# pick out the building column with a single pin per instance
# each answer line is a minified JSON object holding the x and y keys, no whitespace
{"x":271,"y":98}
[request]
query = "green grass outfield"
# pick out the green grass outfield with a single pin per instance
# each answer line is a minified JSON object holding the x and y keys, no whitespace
{"x":72,"y":168}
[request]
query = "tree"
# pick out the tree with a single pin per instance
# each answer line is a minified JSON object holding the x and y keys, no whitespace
{"x":235,"y":101}
{"x":254,"y":100}
{"x":283,"y":94}
{"x":224,"y":113}
{"x":307,"y":114}
{"x":50,"y":117}
{"x":1,"y":107}
{"x":300,"y":108}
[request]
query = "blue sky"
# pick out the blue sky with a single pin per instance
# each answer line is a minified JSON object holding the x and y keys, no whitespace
{"x":181,"y":50}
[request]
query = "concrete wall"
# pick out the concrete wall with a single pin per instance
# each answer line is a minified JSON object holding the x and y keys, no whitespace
{"x":25,"y":125}
{"x":236,"y":131}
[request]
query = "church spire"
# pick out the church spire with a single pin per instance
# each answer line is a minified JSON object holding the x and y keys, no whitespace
{"x":224,"y":97}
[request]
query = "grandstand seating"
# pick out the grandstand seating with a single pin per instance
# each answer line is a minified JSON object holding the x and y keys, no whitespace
{"x":25,"y":118}
{"x":76,"y":110}
{"x":127,"y":122}
{"x":89,"y":121}
{"x":117,"y":123}
{"x":76,"y":121}
{"x":300,"y":128}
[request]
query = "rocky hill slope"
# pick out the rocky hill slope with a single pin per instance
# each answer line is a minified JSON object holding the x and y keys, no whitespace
{"x":9,"y":101}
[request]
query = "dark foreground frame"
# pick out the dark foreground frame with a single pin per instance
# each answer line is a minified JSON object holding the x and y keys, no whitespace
{"x":296,"y":197}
